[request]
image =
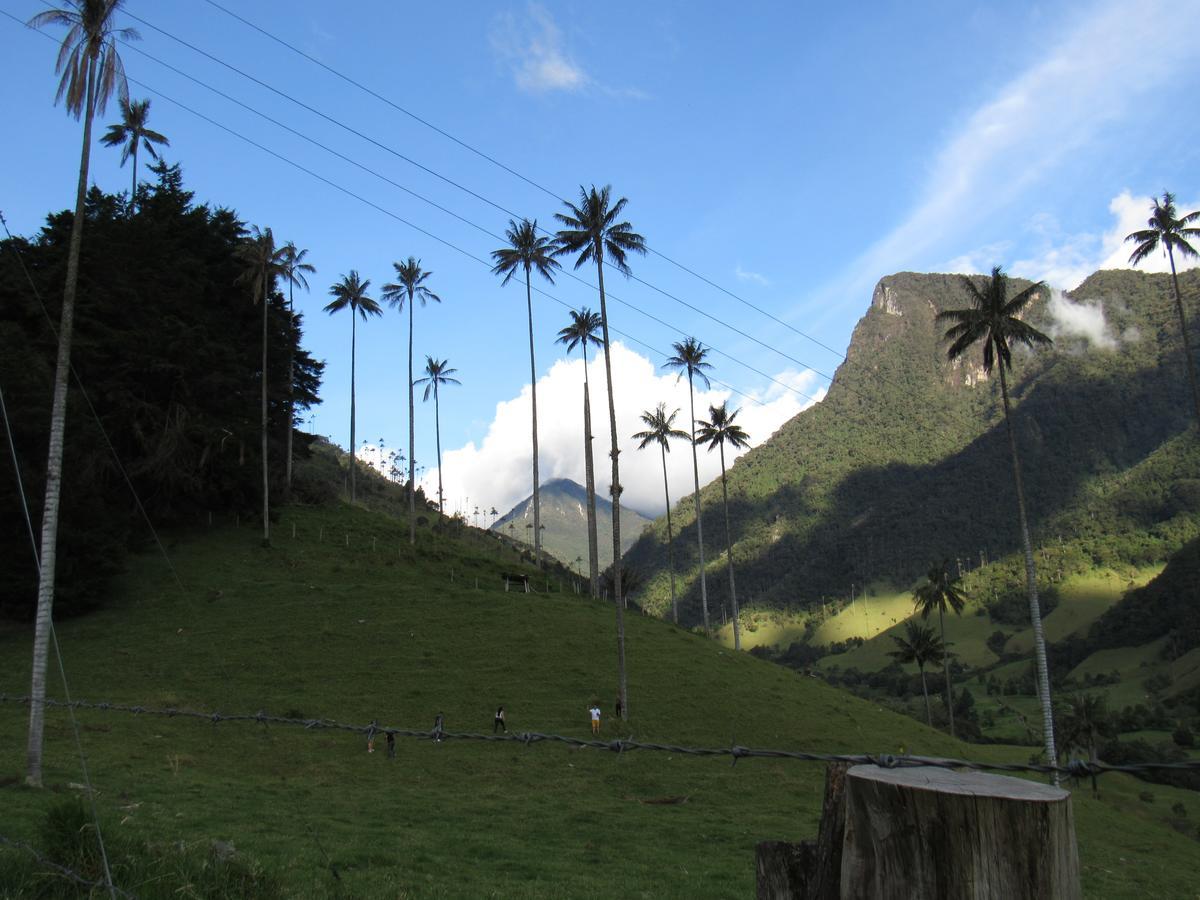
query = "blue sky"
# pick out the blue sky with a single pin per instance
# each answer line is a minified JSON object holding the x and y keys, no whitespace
{"x":793,"y":154}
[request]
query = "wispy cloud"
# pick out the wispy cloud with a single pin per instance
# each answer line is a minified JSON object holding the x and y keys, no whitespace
{"x":1084,"y":319}
{"x":753,"y":277}
{"x":1090,"y":76}
{"x":532,"y":47}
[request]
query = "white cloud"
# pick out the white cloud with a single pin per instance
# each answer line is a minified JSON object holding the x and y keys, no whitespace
{"x":1084,"y":319}
{"x":755,"y":277}
{"x":1042,"y":119}
{"x":497,"y":471}
{"x":533,"y":49}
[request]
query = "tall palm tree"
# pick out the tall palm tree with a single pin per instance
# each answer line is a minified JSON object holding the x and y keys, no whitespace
{"x":660,"y":429}
{"x":940,"y":591}
{"x":689,"y":358}
{"x":1171,"y":231}
{"x":292,"y":271}
{"x":438,"y":373}
{"x":408,"y":288}
{"x":131,"y":132}
{"x":351,"y":293}
{"x":719,"y":430}
{"x":592,"y":231}
{"x":583,"y":331}
{"x":262,"y":263}
{"x":91,"y":71}
{"x":994,"y":318}
{"x":527,"y":250}
{"x":1085,"y":721}
{"x":921,"y":646}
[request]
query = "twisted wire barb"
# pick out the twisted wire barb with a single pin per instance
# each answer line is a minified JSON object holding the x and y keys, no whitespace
{"x":63,"y":870}
{"x":1076,"y":768}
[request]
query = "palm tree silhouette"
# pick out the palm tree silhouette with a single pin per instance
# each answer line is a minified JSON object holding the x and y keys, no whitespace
{"x":940,"y":591}
{"x":660,"y":429}
{"x":438,"y":373}
{"x":689,"y":358}
{"x":351,"y":293}
{"x":91,"y":71}
{"x":719,"y":430}
{"x":527,"y":251}
{"x":262,"y":262}
{"x":581,"y":332}
{"x":921,"y":646}
{"x":994,"y":319}
{"x":1171,"y":232}
{"x":591,"y":230}
{"x":293,"y":270}
{"x":408,"y":288}
{"x":131,"y":132}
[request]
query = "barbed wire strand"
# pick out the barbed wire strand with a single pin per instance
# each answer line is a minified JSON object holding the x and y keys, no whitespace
{"x":64,"y":870}
{"x":1075,"y":768}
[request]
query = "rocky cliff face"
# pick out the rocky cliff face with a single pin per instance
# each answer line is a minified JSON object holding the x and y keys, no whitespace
{"x":905,"y":461}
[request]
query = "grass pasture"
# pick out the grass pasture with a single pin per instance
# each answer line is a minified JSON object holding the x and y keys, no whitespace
{"x":357,"y":627}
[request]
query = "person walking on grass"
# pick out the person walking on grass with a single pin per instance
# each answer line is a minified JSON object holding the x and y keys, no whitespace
{"x":437,"y":728}
{"x":498,"y":724}
{"x":595,"y":713}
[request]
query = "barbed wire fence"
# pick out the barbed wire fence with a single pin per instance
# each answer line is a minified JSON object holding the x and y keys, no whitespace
{"x":1075,"y":768}
{"x":66,"y":872}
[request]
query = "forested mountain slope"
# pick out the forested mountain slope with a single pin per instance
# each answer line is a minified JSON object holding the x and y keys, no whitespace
{"x":906,"y":460}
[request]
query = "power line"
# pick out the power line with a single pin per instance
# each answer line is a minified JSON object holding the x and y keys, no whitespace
{"x":1076,"y":768}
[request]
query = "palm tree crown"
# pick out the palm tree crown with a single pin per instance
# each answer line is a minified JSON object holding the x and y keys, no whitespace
{"x":527,"y":250}
{"x":293,"y":267}
{"x":436,"y":373}
{"x":921,"y":645}
{"x":132,"y":132}
{"x":409,"y":285}
{"x":994,"y":319}
{"x":940,"y":591}
{"x":91,"y":38}
{"x":592,"y":230}
{"x":689,"y":359}
{"x":660,"y":429}
{"x":1166,"y":228}
{"x":262,"y":262}
{"x":720,"y":429}
{"x":582,"y":331}
{"x":351,"y":292}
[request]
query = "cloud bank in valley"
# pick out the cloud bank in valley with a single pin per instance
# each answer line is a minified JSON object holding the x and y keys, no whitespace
{"x":497,"y":471}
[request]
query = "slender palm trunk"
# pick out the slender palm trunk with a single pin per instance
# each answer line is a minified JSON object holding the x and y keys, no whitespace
{"x":1035,"y":611}
{"x":946,"y":670}
{"x":925,"y":692}
{"x":590,"y":473}
{"x":437,"y":428}
{"x":622,"y":691}
{"x":737,"y":631}
{"x":58,"y":424}
{"x":412,"y":435}
{"x":699,"y":520}
{"x":353,"y":445}
{"x":537,"y":498}
{"x":266,"y":503}
{"x":133,"y":190}
{"x":670,"y":547}
{"x":291,"y":404}
{"x":1187,"y":341}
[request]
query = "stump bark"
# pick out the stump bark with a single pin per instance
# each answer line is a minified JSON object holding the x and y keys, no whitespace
{"x":928,"y":832}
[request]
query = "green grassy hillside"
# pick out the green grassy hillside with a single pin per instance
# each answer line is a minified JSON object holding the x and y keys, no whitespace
{"x":358,"y":627}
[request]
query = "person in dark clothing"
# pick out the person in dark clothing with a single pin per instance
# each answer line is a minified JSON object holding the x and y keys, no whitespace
{"x":618,"y":708}
{"x":391,"y":745}
{"x":437,"y":728}
{"x":498,"y":724}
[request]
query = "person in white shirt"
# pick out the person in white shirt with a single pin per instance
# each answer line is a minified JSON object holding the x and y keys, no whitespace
{"x":595,"y":711}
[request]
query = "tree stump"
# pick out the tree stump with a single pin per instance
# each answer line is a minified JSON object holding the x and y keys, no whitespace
{"x":782,"y":869}
{"x":929,"y":832}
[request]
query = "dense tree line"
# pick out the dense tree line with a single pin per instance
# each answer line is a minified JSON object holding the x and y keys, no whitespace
{"x":168,"y":348}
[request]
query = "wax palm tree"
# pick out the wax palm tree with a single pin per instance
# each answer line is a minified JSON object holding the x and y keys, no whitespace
{"x":408,"y":288}
{"x":92,"y":72}
{"x":527,"y":251}
{"x":719,"y":430}
{"x":262,"y":263}
{"x":1084,"y":721}
{"x":921,"y":646}
{"x":660,"y":429}
{"x":689,"y":359}
{"x":131,"y":132}
{"x":437,"y":373}
{"x":583,"y":331}
{"x":351,"y":293}
{"x":994,"y":318}
{"x":940,"y":591}
{"x":592,"y":231}
{"x":293,"y":272}
{"x":1171,"y":232}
